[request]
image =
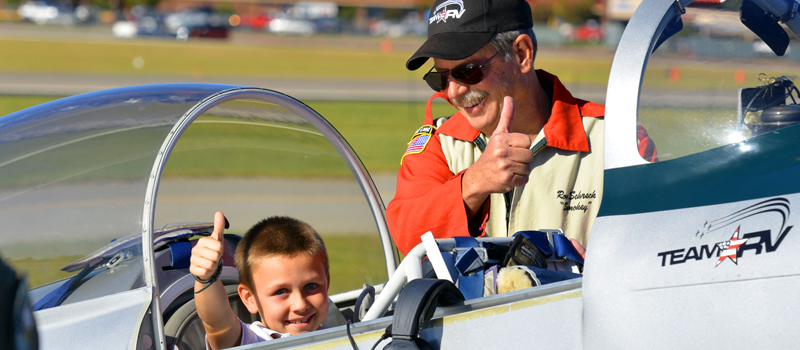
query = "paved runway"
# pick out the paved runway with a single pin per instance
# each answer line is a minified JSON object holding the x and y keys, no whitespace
{"x":59,"y":218}
{"x":329,"y":90}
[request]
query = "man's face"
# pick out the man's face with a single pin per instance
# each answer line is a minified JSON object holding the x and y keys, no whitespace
{"x":292,"y":292}
{"x":480,"y":103}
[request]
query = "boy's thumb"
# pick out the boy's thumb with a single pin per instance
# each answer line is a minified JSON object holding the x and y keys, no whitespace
{"x":506,"y":116}
{"x":220,"y":224}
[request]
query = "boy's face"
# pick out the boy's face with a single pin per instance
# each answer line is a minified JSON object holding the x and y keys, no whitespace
{"x":291,"y":292}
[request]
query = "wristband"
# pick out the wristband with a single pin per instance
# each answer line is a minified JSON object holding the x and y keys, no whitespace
{"x":213,"y":278}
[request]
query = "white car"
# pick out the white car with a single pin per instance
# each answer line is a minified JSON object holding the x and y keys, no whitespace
{"x":291,"y":26}
{"x":41,"y":12}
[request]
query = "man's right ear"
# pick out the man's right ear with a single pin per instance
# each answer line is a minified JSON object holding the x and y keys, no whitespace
{"x":525,"y":52}
{"x":248,"y":298}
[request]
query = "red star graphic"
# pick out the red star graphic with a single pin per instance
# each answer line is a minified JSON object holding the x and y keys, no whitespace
{"x":730,"y":249}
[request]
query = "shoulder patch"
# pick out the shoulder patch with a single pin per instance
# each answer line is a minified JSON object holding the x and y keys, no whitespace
{"x":419,"y":140}
{"x":425,"y":129}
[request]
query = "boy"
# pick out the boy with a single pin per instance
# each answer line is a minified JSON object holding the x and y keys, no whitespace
{"x":283,"y":275}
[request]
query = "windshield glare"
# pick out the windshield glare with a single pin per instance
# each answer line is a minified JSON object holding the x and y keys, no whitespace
{"x":712,"y":84}
{"x":73,"y":174}
{"x":252,"y":160}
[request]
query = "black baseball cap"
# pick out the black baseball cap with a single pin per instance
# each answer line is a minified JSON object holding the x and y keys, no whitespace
{"x":459,"y":28}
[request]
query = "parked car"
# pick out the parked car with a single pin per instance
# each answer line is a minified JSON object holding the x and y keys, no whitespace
{"x":590,"y":32}
{"x":198,"y":23}
{"x":141,"y":24}
{"x":411,"y":25}
{"x":41,"y":12}
{"x":292,"y":26}
{"x":202,"y":23}
{"x":255,"y":21}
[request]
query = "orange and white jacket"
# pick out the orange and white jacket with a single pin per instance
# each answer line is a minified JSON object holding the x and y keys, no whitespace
{"x":564,"y":189}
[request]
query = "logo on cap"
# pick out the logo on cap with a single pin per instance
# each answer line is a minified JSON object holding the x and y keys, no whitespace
{"x":442,"y":13}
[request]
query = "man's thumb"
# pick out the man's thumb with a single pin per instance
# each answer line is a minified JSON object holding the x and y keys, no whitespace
{"x":506,"y":116}
{"x":220,"y":224}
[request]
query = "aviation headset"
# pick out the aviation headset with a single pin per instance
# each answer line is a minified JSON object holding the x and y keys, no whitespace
{"x":415,"y":306}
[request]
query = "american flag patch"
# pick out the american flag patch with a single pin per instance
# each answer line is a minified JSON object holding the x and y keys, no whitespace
{"x":417,"y":144}
{"x":419,"y":141}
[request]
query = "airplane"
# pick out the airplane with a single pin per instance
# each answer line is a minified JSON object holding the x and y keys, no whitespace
{"x":692,"y":250}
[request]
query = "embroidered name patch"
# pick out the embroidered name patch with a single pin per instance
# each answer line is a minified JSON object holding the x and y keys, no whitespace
{"x":419,"y":141}
{"x":576,"y":200}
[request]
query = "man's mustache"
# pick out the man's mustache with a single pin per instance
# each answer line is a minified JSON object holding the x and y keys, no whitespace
{"x":471,"y":98}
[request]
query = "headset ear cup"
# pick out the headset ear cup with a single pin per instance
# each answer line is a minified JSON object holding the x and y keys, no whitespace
{"x":422,"y":344}
{"x":406,"y":344}
{"x":415,"y":305}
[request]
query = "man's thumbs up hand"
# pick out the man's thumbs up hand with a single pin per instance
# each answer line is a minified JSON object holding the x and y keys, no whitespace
{"x":506,"y":116}
{"x":505,"y":163}
{"x":208,"y":250}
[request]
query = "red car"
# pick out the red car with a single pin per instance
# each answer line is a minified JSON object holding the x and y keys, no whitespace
{"x":257,"y":21}
{"x":590,"y":32}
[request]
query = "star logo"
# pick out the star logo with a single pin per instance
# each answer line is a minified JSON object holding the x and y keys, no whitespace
{"x":730,"y":248}
{"x":441,"y":13}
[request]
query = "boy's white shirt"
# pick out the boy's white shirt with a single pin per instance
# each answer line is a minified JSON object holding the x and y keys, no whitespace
{"x":255,"y":333}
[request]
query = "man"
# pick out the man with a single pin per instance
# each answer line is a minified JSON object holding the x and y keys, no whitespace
{"x":520,"y":154}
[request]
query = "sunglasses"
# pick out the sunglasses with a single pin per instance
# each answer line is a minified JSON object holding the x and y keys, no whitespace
{"x":469,"y":74}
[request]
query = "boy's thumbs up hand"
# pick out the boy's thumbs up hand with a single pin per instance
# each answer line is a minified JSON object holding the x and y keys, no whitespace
{"x":208,"y":250}
{"x":220,"y":224}
{"x":505,"y":163}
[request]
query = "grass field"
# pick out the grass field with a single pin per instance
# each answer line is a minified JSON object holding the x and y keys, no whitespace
{"x":197,"y":59}
{"x":305,"y":58}
{"x":341,"y":60}
{"x":377,"y":131}
{"x":353,"y":58}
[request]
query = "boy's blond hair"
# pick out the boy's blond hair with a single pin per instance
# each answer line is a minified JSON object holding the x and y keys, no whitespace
{"x":277,"y":235}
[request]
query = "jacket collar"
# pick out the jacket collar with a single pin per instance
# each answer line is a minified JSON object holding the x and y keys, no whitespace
{"x":563,"y":130}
